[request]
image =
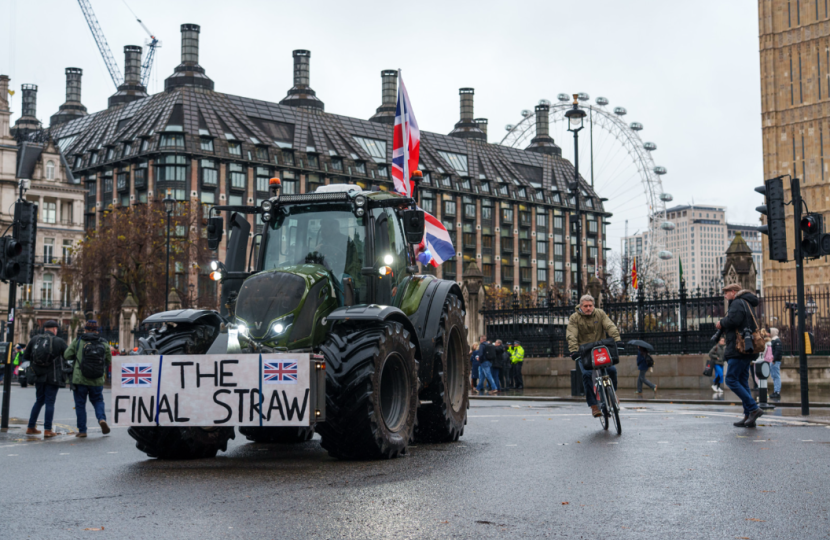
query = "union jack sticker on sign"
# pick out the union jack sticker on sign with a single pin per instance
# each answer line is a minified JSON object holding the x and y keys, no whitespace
{"x":136,"y":375}
{"x":279,"y":371}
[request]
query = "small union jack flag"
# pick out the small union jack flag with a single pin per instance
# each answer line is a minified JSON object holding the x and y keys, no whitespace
{"x":279,"y":371}
{"x":136,"y":375}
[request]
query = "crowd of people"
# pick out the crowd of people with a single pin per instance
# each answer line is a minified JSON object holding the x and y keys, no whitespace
{"x":496,"y":366}
{"x":84,"y":363}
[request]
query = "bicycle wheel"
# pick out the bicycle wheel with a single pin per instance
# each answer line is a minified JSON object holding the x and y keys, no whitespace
{"x":603,"y":406}
{"x":615,"y":408}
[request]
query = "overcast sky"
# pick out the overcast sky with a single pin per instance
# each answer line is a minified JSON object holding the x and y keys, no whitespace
{"x":688,"y":71}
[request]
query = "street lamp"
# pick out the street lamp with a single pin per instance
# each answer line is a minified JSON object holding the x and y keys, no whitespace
{"x":575,"y":118}
{"x":169,"y":205}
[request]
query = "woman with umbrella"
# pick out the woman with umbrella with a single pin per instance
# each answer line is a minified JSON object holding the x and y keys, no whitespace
{"x":644,"y":362}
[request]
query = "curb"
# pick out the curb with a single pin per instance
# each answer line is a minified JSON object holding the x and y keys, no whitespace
{"x":635,"y":400}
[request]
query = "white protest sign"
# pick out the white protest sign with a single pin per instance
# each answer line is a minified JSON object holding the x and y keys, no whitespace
{"x":213,"y":390}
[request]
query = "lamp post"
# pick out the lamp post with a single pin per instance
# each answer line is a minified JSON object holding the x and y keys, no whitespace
{"x":169,"y":205}
{"x":575,"y":117}
{"x":191,"y":287}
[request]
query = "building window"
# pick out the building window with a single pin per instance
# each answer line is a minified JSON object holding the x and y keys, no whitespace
{"x":50,"y":170}
{"x":125,"y":151}
{"x":541,"y":247}
{"x":374,"y":147}
{"x":456,"y":161}
{"x":110,"y":153}
{"x":108,"y":184}
{"x":507,"y":215}
{"x":171,"y":169}
{"x":263,"y":179}
{"x":237,"y":175}
{"x":234,"y":148}
{"x":49,"y":212}
{"x":541,"y":219}
{"x":428,"y":201}
{"x":174,"y":140}
{"x":449,"y":208}
{"x":67,"y":251}
{"x":145,"y":144}
{"x":210,"y":176}
{"x":541,"y":275}
{"x":336,"y":164}
{"x":206,"y":144}
{"x":262,"y":153}
{"x":46,"y":290}
{"x":360,"y":167}
{"x":383,"y":171}
{"x":288,"y":157}
{"x":49,"y":251}
{"x":313,"y":161}
{"x":121,"y":181}
{"x":470,"y":211}
{"x":140,"y":177}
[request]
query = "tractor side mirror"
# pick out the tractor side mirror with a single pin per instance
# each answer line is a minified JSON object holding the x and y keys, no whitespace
{"x":413,"y":225}
{"x":215,"y":228}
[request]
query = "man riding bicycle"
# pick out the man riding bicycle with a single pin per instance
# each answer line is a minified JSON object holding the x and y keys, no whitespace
{"x":587,"y":325}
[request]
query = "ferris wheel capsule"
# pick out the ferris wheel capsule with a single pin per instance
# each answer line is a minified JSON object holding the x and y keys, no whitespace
{"x":666,"y":197}
{"x":650,"y":146}
{"x":583,"y":96}
{"x":665,"y":255}
{"x":526,"y":112}
{"x":636,"y":126}
{"x":602,"y":101}
{"x":667,"y":226}
{"x":620,"y":111}
{"x":660,"y":170}
{"x":563,"y":97}
{"x":509,"y":127}
{"x":544,"y":102}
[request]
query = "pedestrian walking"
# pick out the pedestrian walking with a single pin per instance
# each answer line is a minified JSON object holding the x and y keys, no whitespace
{"x":90,"y":356}
{"x":502,"y":364}
{"x":775,"y":368}
{"x":18,"y":354}
{"x":738,"y":318}
{"x":716,"y":355}
{"x":45,"y":355}
{"x":475,"y":362}
{"x":644,"y":362}
{"x":487,"y":353}
{"x":517,"y":357}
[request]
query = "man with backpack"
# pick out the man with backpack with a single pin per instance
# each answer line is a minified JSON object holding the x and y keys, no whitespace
{"x":45,"y":355}
{"x":90,"y":356}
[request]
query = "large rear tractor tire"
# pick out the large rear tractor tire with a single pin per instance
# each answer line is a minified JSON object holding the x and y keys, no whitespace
{"x":443,"y":419}
{"x":371,"y":391}
{"x":184,"y":442}
{"x":280,"y":435}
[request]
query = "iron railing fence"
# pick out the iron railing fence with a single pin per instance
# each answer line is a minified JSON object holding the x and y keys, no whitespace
{"x":674,"y":323}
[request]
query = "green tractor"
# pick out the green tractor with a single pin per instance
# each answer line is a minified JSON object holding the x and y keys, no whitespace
{"x":334,"y":276}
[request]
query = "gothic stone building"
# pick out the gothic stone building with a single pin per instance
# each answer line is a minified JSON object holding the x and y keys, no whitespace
{"x":508,"y":210}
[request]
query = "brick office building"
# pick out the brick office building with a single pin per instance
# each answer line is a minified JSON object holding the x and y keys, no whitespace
{"x":508,"y":210}
{"x":795,"y":105}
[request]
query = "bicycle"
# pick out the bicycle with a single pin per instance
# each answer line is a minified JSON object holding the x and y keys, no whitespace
{"x":598,"y":357}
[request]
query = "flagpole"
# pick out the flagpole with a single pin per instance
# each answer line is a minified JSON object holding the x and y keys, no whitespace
{"x":404,"y":134}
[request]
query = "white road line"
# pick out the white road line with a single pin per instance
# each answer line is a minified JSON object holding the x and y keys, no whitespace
{"x":662,"y":442}
{"x":511,"y":445}
{"x":112,"y":452}
{"x":807,"y":440}
{"x":711,"y":441}
{"x":613,"y":443}
{"x":64,"y":454}
{"x":12,"y":455}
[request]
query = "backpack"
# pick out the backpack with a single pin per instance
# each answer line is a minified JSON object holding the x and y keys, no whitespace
{"x":42,"y":352}
{"x":489,"y":352}
{"x":768,"y":356}
{"x":93,"y":359}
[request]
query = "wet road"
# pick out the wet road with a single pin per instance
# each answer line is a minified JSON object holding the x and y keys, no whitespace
{"x":522,"y":470}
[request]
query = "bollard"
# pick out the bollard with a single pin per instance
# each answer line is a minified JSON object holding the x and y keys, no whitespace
{"x":577,"y":388}
{"x":762,"y":372}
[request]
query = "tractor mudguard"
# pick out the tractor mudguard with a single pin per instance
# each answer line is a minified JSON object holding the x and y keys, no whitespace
{"x":374,"y":312}
{"x":178,"y":316}
{"x":426,"y":320}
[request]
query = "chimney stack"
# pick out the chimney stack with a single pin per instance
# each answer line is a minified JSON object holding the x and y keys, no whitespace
{"x":189,"y":72}
{"x":482,"y":125}
{"x":543,"y":142}
{"x":73,"y":108}
{"x":301,"y":95}
{"x":132,"y":89}
{"x":385,"y":114}
{"x":28,"y":121}
{"x":467,"y":128}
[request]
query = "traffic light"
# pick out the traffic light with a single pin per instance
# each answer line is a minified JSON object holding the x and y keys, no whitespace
{"x":25,"y":232}
{"x":812,"y":228}
{"x":10,"y":250}
{"x":776,"y":227}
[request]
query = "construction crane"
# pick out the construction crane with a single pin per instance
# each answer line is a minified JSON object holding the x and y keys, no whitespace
{"x":101,"y":41}
{"x":152,"y":44}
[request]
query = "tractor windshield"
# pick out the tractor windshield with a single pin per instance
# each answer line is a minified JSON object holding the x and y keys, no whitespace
{"x":330,"y":235}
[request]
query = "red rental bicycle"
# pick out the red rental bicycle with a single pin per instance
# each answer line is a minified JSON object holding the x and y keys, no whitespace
{"x":598,"y":357}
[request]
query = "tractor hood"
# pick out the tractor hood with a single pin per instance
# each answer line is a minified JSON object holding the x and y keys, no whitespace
{"x":281,"y":307}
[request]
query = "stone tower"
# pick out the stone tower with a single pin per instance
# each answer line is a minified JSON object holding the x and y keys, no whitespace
{"x":739,"y":267}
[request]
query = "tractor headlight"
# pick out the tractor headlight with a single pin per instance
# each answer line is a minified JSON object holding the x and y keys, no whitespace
{"x":242,"y":329}
{"x":360,"y":201}
{"x":266,"y":206}
{"x":214,"y":265}
{"x":388,"y":259}
{"x":359,"y":212}
{"x":266,"y":217}
{"x":278,"y":328}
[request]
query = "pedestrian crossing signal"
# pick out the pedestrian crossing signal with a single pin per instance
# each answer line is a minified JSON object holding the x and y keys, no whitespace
{"x":10,"y":250}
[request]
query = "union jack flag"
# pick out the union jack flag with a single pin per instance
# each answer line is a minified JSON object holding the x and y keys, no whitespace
{"x":406,"y":150}
{"x":406,"y":142}
{"x":279,"y":371}
{"x":136,"y":375}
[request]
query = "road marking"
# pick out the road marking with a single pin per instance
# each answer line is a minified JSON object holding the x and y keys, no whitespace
{"x":662,"y":442}
{"x":64,"y":453}
{"x":12,"y":455}
{"x":807,"y":440}
{"x":711,"y":441}
{"x":494,"y":420}
{"x":112,"y":452}
{"x":613,"y":443}
{"x":511,"y":445}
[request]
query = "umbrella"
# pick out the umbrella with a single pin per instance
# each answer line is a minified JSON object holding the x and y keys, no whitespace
{"x":641,"y":343}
